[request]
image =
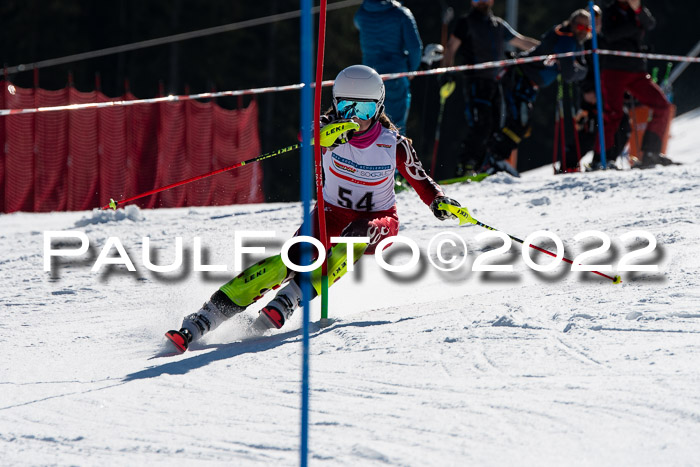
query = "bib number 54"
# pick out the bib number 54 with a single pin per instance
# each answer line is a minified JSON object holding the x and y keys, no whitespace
{"x":345,"y":200}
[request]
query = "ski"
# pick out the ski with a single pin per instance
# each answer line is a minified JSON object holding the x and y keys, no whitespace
{"x":475,"y":177}
{"x":402,"y":185}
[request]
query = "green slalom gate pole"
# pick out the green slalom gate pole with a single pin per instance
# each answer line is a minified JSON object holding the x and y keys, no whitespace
{"x":318,"y":159}
{"x":324,"y":300}
{"x":464,"y":217}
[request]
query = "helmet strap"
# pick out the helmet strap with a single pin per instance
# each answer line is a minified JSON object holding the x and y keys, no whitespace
{"x":380,"y":111}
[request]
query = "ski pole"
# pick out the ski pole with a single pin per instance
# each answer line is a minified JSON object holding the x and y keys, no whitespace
{"x":115,"y":204}
{"x":445,"y":91}
{"x":632,"y":116}
{"x":464,"y":217}
{"x":562,"y":141}
{"x":666,"y":84}
{"x":555,"y":147}
{"x":329,"y":134}
{"x":559,"y":134}
{"x":598,"y":87}
{"x":577,"y":144}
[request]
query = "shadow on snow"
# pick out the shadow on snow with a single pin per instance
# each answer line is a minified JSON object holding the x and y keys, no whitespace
{"x":226,"y":351}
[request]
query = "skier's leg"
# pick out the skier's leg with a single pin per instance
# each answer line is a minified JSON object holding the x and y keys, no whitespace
{"x":233,"y":297}
{"x":288,"y":299}
{"x":650,"y":94}
{"x":249,"y":286}
{"x":518,"y":95}
{"x":622,"y":135}
{"x":485,"y":107}
{"x":613,"y":84}
{"x":280,"y":309}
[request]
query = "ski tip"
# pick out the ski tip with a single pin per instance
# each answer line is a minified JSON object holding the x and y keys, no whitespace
{"x":177,"y":339}
{"x":617,"y":279}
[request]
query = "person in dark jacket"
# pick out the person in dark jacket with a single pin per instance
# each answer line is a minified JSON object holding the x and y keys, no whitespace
{"x":587,"y":115}
{"x":390,"y":43}
{"x":480,"y":37}
{"x":625,"y":23}
{"x":521,"y":82}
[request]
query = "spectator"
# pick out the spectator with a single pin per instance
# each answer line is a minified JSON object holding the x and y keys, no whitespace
{"x":390,"y":44}
{"x":587,"y":116}
{"x":521,"y":83}
{"x":625,"y":22}
{"x":479,"y":37}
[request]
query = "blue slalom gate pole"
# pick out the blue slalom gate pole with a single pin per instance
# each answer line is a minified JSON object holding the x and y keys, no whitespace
{"x":598,"y":91}
{"x":306,"y":184}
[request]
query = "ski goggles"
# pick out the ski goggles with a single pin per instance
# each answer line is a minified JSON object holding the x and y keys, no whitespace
{"x":583,"y":28}
{"x":364,"y":110}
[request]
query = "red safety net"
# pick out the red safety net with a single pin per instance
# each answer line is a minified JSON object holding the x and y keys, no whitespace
{"x":79,"y":159}
{"x":2,"y":149}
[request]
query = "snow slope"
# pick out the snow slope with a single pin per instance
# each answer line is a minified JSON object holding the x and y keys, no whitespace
{"x":418,"y":368}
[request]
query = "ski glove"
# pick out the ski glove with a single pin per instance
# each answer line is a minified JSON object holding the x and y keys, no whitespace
{"x":328,"y":118}
{"x":441,"y":213}
{"x":336,"y":131}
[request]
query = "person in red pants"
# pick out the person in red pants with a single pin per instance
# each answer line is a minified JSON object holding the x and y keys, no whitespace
{"x":625,"y":23}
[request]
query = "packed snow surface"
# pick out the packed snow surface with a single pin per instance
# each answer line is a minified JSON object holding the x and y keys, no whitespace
{"x":416,"y":368}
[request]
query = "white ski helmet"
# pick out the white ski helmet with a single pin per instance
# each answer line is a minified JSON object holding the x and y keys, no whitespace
{"x":359,"y":83}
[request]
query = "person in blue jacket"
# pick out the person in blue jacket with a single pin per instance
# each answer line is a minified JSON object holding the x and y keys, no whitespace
{"x":390,"y":44}
{"x":522,"y":82}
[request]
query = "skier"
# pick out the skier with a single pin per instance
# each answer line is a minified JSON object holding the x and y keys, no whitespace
{"x":359,"y":202}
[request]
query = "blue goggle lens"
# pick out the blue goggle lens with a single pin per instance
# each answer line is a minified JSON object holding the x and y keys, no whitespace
{"x":361,"y":110}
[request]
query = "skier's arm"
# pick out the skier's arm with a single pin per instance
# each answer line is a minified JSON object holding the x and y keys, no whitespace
{"x":441,"y":213}
{"x":516,"y":39}
{"x":524,"y":42}
{"x":412,"y":170}
{"x":429,"y":191}
{"x":453,"y":44}
{"x":646,"y":19}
